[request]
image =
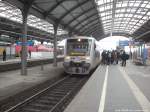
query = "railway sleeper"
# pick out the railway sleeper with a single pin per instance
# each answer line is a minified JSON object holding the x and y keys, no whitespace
{"x":48,"y":102}
{"x":59,"y":93}
{"x":66,"y":87}
{"x":39,"y":106}
{"x":32,"y":110}
{"x":50,"y":98}
{"x":60,"y":90}
{"x":55,"y":95}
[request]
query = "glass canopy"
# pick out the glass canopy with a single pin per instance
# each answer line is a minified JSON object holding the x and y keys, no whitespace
{"x":116,"y":15}
{"x":123,"y":15}
{"x":10,"y":12}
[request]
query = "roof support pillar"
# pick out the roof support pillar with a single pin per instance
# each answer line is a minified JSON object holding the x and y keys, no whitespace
{"x":55,"y":45}
{"x":24,"y":41}
{"x":113,"y":16}
{"x":24,"y":55}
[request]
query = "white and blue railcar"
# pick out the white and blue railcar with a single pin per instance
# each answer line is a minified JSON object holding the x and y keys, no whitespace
{"x":81,"y":55}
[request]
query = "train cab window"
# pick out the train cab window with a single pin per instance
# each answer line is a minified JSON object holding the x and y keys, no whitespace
{"x":80,"y":48}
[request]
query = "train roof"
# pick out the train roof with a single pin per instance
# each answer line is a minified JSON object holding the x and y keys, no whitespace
{"x":82,"y":37}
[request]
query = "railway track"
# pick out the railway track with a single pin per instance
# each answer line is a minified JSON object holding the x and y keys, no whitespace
{"x":52,"y":99}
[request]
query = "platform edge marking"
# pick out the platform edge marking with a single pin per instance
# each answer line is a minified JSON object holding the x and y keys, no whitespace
{"x":139,"y":95}
{"x":103,"y":96}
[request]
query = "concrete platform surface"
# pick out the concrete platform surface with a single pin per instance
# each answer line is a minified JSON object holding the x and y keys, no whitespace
{"x":12,"y":82}
{"x":16,"y":60}
{"x":114,"y":89}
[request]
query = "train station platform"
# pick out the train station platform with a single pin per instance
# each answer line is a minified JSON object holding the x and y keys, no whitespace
{"x":18,"y":59}
{"x":12,"y":82}
{"x":13,"y":64}
{"x":114,"y":88}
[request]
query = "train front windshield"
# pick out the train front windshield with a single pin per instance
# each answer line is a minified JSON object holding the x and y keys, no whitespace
{"x":78,"y":47}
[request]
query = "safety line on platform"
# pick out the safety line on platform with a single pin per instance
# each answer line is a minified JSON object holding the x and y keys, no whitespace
{"x":103,"y":96}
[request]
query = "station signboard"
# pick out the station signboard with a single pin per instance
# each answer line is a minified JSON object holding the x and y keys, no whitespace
{"x":29,"y":43}
{"x":138,"y":43}
{"x":124,"y":43}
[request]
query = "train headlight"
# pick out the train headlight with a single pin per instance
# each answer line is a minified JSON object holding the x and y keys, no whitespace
{"x":79,"y":40}
{"x":88,"y":58}
{"x":67,"y":57}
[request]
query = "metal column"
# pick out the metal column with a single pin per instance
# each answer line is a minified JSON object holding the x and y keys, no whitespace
{"x":144,"y":54}
{"x":24,"y":41}
{"x":141,"y":51}
{"x":113,"y":16}
{"x":55,"y":45}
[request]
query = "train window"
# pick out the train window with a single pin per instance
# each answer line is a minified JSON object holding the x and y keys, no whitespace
{"x":80,"y":48}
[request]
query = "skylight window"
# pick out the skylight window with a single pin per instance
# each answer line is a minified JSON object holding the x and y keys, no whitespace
{"x":118,"y":5}
{"x":40,"y":24}
{"x":148,"y":6}
{"x":130,"y":15}
{"x":145,"y":18}
{"x":103,"y":14}
{"x":136,"y":4}
{"x":131,"y":3}
{"x":124,"y":4}
{"x":141,"y":21}
{"x":148,"y":13}
{"x":10,"y":12}
{"x":122,"y":10}
{"x":101,"y":9}
{"x":143,"y":5}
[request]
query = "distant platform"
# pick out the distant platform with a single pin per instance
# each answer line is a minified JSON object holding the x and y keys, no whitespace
{"x":14,"y":64}
{"x":12,"y":82}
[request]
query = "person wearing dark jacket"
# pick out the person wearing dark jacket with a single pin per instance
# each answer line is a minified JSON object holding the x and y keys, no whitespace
{"x":4,"y":55}
{"x":124,"y":57}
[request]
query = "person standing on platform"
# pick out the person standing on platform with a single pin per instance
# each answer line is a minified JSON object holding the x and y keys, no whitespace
{"x":109,"y":58}
{"x":29,"y":53}
{"x":124,"y":57}
{"x":4,"y":55}
{"x":103,"y":57}
{"x":118,"y":57}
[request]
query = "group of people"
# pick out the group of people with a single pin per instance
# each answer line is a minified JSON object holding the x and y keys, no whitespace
{"x":113,"y":57}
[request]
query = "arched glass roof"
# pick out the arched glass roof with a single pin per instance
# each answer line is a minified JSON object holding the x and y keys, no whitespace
{"x":123,"y":15}
{"x":76,"y":16}
{"x":11,"y":12}
{"x":82,"y":17}
{"x":40,"y":24}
